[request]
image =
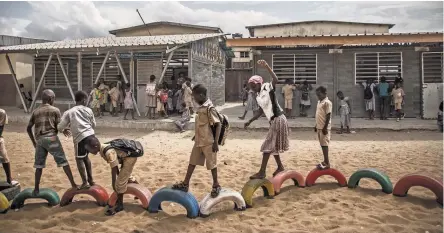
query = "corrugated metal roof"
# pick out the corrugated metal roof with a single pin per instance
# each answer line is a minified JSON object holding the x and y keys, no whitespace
{"x":318,"y":21}
{"x":341,"y":35}
{"x":112,"y":42}
{"x":216,"y":29}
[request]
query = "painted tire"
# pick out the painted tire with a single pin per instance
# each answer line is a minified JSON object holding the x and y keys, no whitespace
{"x":4,"y":204}
{"x":373,"y":174}
{"x":96,"y":191}
{"x":316,"y":173}
{"x":225,"y":195}
{"x":408,"y":181}
{"x":11,"y":192}
{"x":184,"y":199}
{"x":45,"y":193}
{"x":137,"y":190}
{"x":281,"y":177}
{"x":252,"y":185}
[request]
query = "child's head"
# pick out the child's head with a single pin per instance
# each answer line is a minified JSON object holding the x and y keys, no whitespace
{"x":288,"y":81}
{"x":184,"y":105}
{"x":305,"y":82}
{"x":48,"y":97}
{"x":383,"y":80}
{"x":340,"y":95}
{"x":181,"y":74}
{"x":92,"y":144}
{"x":97,"y":85}
{"x":81,"y":97}
{"x":188,"y":83}
{"x":101,"y":80}
{"x":321,"y":92}
{"x":398,"y":85}
{"x":111,"y":85}
{"x":255,"y":83}
{"x":127,"y":86}
{"x":152,"y":78}
{"x":440,"y":107}
{"x":200,"y":94}
{"x":369,"y":81}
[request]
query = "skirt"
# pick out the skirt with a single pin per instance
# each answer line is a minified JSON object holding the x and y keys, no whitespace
{"x":277,"y":138}
{"x":128,"y":103}
{"x":151,"y":101}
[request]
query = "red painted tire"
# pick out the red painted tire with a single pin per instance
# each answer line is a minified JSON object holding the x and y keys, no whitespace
{"x":96,"y":191}
{"x":405,"y":183}
{"x":316,"y":173}
{"x":137,"y":190}
{"x":281,"y":177}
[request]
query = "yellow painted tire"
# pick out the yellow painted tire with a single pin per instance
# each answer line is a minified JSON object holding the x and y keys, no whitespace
{"x":4,"y":203}
{"x":252,"y":185}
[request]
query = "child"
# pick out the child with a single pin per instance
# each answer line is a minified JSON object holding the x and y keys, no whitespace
{"x":128,"y":102}
{"x":119,"y":179}
{"x":187,"y":95}
{"x":45,"y":120}
{"x":276,"y":141}
{"x":80,"y":120}
{"x":181,"y":123}
{"x":96,"y":96}
{"x":251,"y":104}
{"x":440,"y":118}
{"x":170,"y":106}
{"x":344,"y":112}
{"x":287,"y":92}
{"x":398,"y":98}
{"x":162,"y":98}
{"x":4,"y":159}
{"x":244,"y":94}
{"x":369,"y":98}
{"x":323,"y":124}
{"x":179,"y":98}
{"x":392,"y":102}
{"x":205,"y":143}
{"x":305,"y":104}
{"x":151,"y":103}
{"x":114,"y":93}
{"x":104,"y":100}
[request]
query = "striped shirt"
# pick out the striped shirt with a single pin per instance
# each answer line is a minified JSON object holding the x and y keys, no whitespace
{"x":45,"y":120}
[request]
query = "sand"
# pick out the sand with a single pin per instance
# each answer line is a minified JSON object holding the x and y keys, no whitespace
{"x":322,"y":208}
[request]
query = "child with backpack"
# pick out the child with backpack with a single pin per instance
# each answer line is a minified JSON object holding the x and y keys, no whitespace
{"x":208,"y":128}
{"x":369,"y":98}
{"x":114,"y":152}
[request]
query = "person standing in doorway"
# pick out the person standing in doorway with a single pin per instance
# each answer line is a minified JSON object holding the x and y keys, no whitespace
{"x":305,"y":103}
{"x":383,"y":88}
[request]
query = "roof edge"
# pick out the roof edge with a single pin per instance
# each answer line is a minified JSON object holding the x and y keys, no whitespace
{"x":113,"y":32}
{"x":316,"y":21}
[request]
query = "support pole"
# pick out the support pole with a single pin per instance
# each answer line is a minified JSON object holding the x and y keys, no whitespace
{"x":166,"y":66}
{"x":126,"y":81}
{"x":16,"y":82}
{"x":102,"y":68}
{"x":79,"y":71}
{"x":66,"y":77}
{"x":40,"y":82}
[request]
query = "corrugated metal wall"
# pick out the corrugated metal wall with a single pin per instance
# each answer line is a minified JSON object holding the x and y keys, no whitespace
{"x":14,"y":40}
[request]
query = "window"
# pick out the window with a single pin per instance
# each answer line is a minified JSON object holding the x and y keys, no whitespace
{"x":432,"y":70}
{"x":244,"y":54}
{"x":297,"y":67}
{"x":54,"y":75}
{"x":375,"y":65}
{"x":110,"y":72}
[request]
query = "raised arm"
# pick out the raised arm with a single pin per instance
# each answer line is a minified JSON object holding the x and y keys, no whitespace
{"x":274,"y":78}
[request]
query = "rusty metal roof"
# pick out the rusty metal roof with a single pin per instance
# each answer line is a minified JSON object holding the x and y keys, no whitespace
{"x":110,"y":42}
{"x":318,"y":21}
{"x":337,"y":35}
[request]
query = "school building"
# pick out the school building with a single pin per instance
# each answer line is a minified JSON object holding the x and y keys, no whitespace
{"x":163,"y":49}
{"x":340,"y":56}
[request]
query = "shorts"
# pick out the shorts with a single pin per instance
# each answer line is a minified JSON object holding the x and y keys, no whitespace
{"x":398,"y":106}
{"x":200,"y":155}
{"x":345,"y":120}
{"x":289,"y":103}
{"x":50,"y":145}
{"x":324,"y":140}
{"x":3,"y":153}
{"x":80,"y":150}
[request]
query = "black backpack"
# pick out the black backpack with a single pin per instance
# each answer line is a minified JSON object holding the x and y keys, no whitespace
{"x":225,"y":127}
{"x":368,"y":93}
{"x":131,"y":147}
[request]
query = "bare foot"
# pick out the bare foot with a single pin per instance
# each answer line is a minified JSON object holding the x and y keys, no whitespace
{"x":278,"y":170}
{"x":241,"y":118}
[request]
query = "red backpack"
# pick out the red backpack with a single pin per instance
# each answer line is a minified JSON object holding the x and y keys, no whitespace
{"x":163,"y":97}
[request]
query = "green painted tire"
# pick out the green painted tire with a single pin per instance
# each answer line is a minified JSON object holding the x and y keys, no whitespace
{"x":374,"y":174}
{"x":45,"y":193}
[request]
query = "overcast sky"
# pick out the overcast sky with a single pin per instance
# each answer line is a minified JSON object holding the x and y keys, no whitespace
{"x":71,"y":20}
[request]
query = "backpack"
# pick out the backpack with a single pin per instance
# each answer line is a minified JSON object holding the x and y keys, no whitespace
{"x":131,"y":147}
{"x":163,"y":97}
{"x":225,"y":127}
{"x":368,"y":93}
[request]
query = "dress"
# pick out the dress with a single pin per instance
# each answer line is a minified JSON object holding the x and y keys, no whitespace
{"x":96,"y":96}
{"x":150,"y":91}
{"x":344,"y":112}
{"x":128,"y":102}
{"x":305,"y":95}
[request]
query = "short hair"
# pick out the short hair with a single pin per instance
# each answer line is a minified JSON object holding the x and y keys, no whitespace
{"x":80,"y":96}
{"x":200,"y":89}
{"x":339,"y":92}
{"x":90,"y":139}
{"x":383,"y":79}
{"x":287,"y":81}
{"x":181,"y":73}
{"x":128,"y":85}
{"x":152,"y":77}
{"x":47,"y":94}
{"x":322,"y":89}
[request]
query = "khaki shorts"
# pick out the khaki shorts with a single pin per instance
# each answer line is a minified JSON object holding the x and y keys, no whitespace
{"x":324,"y":140}
{"x":398,"y":106}
{"x":3,"y":153}
{"x":289,"y":103}
{"x":201,"y":154}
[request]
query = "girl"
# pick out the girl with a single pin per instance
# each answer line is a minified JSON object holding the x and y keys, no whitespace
{"x":245,"y":94}
{"x":151,"y":97}
{"x":128,"y":102}
{"x":96,"y":96}
{"x":276,"y":141}
{"x":170,"y":101}
{"x":344,"y":112}
{"x":162,"y":98}
{"x":251,"y":104}
{"x":305,"y":104}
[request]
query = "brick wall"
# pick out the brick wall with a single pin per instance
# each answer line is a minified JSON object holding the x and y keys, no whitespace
{"x":213,"y":78}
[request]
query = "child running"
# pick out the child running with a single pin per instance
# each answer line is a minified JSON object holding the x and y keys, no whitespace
{"x":80,"y":120}
{"x":398,"y":98}
{"x":323,"y":124}
{"x":251,"y":104}
{"x":344,"y":112}
{"x":45,"y":140}
{"x":276,"y":141}
{"x":205,"y":143}
{"x":4,"y":159}
{"x":128,"y":102}
{"x":184,"y":119}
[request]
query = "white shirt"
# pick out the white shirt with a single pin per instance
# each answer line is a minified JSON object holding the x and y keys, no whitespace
{"x":264,"y":100}
{"x":81,"y":121}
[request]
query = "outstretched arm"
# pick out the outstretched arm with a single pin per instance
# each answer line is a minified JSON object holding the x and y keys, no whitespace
{"x":274,"y":78}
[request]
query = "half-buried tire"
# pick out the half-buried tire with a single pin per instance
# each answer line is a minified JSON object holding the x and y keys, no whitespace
{"x":137,"y":190}
{"x":96,"y":191}
{"x":316,"y":173}
{"x":281,"y":177}
{"x":4,"y":204}
{"x":184,"y":199}
{"x":9,"y":191}
{"x":405,"y":183}
{"x":374,"y":174}
{"x":45,"y":193}
{"x":252,"y":185}
{"x":224,"y":195}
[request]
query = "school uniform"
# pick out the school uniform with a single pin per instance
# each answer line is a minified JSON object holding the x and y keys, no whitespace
{"x":287,"y":90}
{"x":114,"y":93}
{"x":150,"y":91}
{"x":324,"y":107}
{"x":3,"y":153}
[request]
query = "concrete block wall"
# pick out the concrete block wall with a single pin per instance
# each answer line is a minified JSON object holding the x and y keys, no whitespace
{"x":212,"y":77}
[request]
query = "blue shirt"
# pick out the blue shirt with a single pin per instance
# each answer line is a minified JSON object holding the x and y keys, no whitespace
{"x":383,"y":89}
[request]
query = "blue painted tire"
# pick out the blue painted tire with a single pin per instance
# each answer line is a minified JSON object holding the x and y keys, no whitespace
{"x":374,"y":174}
{"x":184,"y":199}
{"x":48,"y":194}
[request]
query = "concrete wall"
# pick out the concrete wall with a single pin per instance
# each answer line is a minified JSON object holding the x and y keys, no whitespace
{"x":22,"y":65}
{"x":163,"y":30}
{"x":212,"y":77}
{"x":318,"y":28}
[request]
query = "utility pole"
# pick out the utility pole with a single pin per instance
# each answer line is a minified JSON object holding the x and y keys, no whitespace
{"x":143,"y":21}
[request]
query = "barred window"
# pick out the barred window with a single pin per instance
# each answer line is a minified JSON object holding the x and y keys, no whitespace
{"x":375,"y":65}
{"x":110,"y":72}
{"x":297,"y":67}
{"x":432,"y":67}
{"x":244,"y":54}
{"x":54,"y":75}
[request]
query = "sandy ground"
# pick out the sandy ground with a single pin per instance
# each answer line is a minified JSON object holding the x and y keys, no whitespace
{"x":322,"y":208}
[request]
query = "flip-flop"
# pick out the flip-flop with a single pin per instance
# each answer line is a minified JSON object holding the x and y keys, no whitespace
{"x":181,"y":186}
{"x":215,"y":191}
{"x":257,"y":176}
{"x":322,"y":166}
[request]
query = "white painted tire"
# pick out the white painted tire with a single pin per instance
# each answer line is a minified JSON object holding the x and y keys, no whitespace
{"x":208,"y":202}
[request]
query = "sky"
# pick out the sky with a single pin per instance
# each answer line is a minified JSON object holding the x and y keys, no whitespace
{"x":73,"y":20}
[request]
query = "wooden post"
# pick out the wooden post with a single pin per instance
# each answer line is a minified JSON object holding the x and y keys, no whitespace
{"x":166,"y":66}
{"x":16,"y":84}
{"x":66,"y":77}
{"x":79,"y":71}
{"x":34,"y":98}
{"x":102,"y":67}
{"x":126,"y":81}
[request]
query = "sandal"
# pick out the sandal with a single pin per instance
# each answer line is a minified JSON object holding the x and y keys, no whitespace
{"x":322,"y":166}
{"x":277,"y":172}
{"x":257,"y":176}
{"x":181,"y":186}
{"x":215,"y":191}
{"x":84,"y":186}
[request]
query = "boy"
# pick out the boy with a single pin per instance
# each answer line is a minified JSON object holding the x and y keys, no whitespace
{"x":369,"y":98}
{"x":114,"y":93}
{"x":382,"y":88}
{"x":103,"y":88}
{"x":323,"y":124}
{"x":81,"y":121}
{"x":184,"y":119}
{"x":205,"y":143}
{"x":151,"y":102}
{"x":398,"y":97}
{"x":45,"y":120}
{"x":344,"y":112}
{"x":187,"y":95}
{"x":120,"y":178}
{"x":287,"y":92}
{"x":4,"y":159}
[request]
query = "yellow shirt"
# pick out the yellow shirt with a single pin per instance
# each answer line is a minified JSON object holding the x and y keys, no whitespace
{"x":324,"y":107}
{"x":112,"y":155}
{"x":287,"y":90}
